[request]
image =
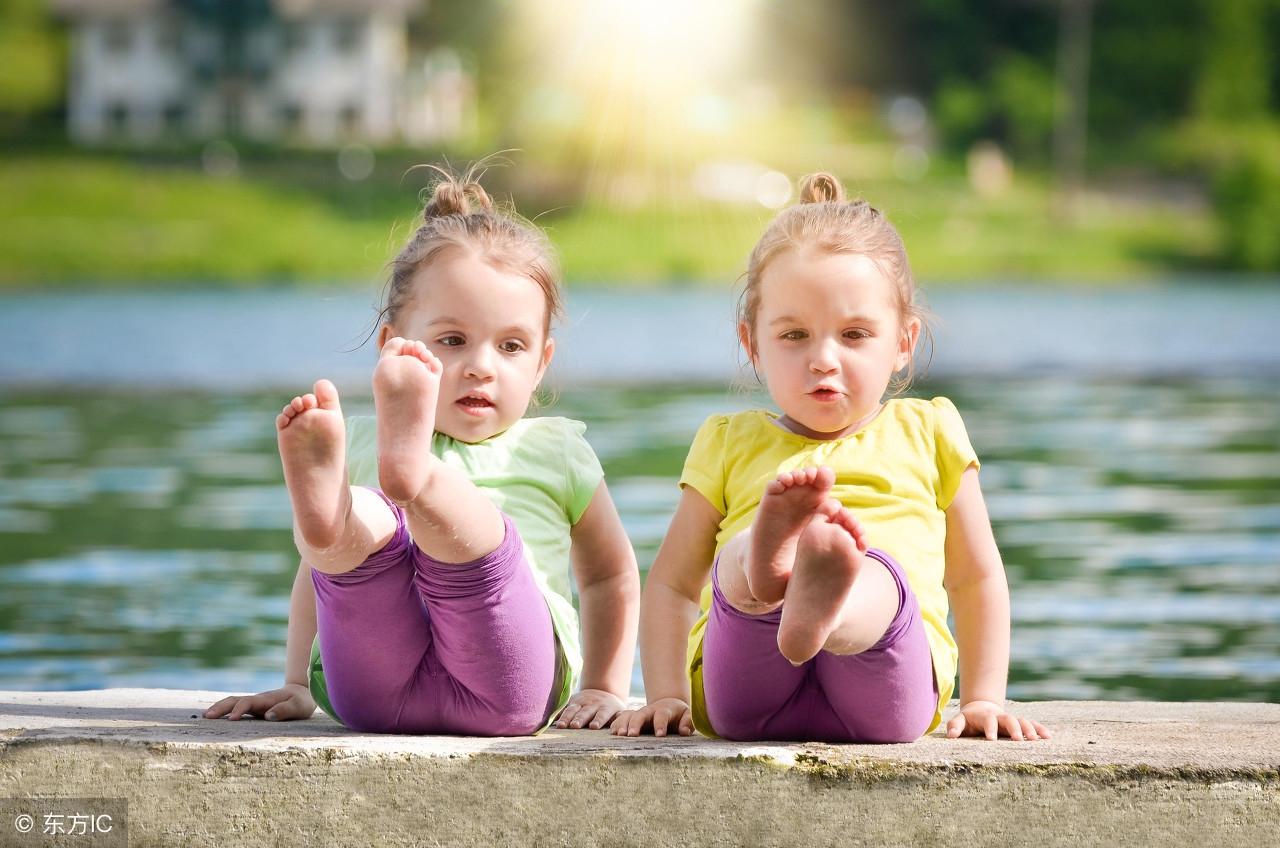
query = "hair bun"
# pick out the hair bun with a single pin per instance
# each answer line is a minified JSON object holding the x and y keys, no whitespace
{"x":447,"y":199}
{"x":454,"y":196}
{"x":821,"y":188}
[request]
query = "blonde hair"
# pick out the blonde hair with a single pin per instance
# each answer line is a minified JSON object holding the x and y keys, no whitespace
{"x":460,"y":214}
{"x":824,"y":220}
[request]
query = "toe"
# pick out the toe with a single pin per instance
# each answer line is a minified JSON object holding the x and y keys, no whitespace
{"x":326,"y":394}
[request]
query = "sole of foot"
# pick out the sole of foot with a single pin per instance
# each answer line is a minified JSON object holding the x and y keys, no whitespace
{"x":406,"y":387}
{"x":829,"y":556}
{"x":312,"y":440}
{"x":789,"y":503}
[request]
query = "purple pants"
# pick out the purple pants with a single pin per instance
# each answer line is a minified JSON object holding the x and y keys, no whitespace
{"x":413,"y":645}
{"x":884,"y":694}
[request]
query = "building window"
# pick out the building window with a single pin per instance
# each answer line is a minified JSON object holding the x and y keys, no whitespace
{"x":117,"y":36}
{"x":293,"y":37}
{"x":346,"y":35}
{"x":291,"y":119}
{"x":349,"y":119}
{"x":117,"y":117}
{"x":169,"y":37}
{"x":174,"y":116}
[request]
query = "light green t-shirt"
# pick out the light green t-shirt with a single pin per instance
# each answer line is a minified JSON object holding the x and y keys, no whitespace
{"x":543,"y":474}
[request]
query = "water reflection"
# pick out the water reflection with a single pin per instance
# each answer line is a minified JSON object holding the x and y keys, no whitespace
{"x":144,"y":537}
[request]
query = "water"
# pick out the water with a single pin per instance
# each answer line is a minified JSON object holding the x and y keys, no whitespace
{"x":1133,"y":474}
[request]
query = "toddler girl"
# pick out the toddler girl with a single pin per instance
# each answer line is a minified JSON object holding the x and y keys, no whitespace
{"x":436,"y":537}
{"x":829,"y":532}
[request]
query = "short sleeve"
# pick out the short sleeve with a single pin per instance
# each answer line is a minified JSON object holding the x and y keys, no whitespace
{"x":583,"y":472}
{"x":362,"y":450}
{"x":704,"y":466}
{"x":952,"y":450}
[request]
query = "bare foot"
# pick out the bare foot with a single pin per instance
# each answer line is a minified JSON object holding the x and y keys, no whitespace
{"x":828,"y":558}
{"x":312,"y":441}
{"x":406,"y":384}
{"x":789,"y":503}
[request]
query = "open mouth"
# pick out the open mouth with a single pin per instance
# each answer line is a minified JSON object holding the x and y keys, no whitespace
{"x":475,"y":403}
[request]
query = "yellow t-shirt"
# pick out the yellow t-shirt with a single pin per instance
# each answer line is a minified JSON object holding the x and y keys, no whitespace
{"x":898,"y":474}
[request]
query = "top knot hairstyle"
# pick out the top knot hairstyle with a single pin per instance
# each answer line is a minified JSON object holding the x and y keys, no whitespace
{"x":461,"y":215}
{"x":825,"y":220}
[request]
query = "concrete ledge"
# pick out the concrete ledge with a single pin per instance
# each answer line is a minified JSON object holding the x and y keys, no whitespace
{"x":1123,"y":773}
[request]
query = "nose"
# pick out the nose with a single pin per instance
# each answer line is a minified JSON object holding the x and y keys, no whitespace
{"x":822,"y":358}
{"x":479,"y":365}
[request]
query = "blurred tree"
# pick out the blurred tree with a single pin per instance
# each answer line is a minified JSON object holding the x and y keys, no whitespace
{"x":478,"y":30}
{"x":1152,"y":63}
{"x":1144,"y":59}
{"x":1071,"y":115}
{"x":32,"y":58}
{"x":1235,"y":132}
{"x":1235,"y":75}
{"x":1022,"y":99}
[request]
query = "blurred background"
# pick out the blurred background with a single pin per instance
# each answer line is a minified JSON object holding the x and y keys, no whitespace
{"x":198,"y":199}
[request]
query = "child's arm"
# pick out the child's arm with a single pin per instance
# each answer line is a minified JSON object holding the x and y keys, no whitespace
{"x":604,"y":564}
{"x":667,"y":614}
{"x":293,"y":700}
{"x":979,"y":596}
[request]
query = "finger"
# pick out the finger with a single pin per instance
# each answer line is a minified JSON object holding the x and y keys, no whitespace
{"x":638,"y":720}
{"x":242,"y":706}
{"x":286,"y":710}
{"x":220,"y":708}
{"x":566,"y":714}
{"x":1011,"y":727}
{"x":584,"y":715}
{"x":1028,"y":729}
{"x":660,"y":718}
{"x":604,"y":715}
{"x":991,"y":728}
{"x":686,"y":723}
{"x":955,"y":727}
{"x":1041,"y":730}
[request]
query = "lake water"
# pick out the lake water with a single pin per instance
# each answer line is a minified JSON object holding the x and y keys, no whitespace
{"x":1130,"y":439}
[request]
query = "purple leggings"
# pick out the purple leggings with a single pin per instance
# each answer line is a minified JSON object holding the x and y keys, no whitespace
{"x":413,"y":645}
{"x":884,"y":694}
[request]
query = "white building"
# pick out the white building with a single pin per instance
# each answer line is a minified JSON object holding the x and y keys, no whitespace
{"x":316,"y":72}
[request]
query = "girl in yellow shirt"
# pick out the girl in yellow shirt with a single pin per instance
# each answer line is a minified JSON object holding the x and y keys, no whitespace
{"x":813,"y":555}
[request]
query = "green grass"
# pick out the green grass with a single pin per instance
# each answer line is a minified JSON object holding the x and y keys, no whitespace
{"x":82,"y":219}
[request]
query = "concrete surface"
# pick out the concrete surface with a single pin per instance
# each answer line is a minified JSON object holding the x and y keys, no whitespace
{"x":1123,"y":773}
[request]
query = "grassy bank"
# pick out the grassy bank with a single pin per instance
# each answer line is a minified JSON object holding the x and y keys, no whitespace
{"x":80,"y":219}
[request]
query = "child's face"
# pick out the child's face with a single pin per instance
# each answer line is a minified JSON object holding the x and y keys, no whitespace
{"x":486,"y":326}
{"x":828,"y":339}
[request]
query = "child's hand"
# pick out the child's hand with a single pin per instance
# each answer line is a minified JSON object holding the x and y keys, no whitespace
{"x":591,"y":708}
{"x":290,"y":701}
{"x":661,"y":715}
{"x":989,"y":719}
